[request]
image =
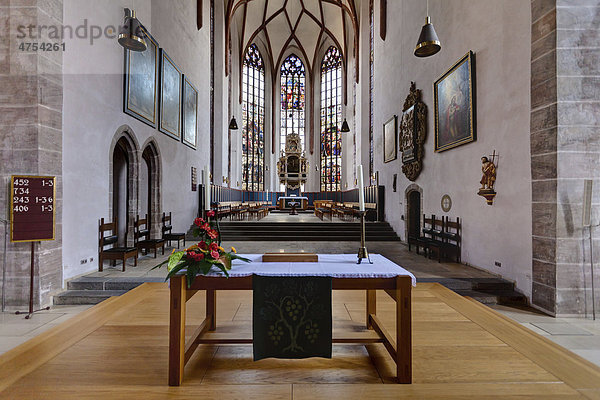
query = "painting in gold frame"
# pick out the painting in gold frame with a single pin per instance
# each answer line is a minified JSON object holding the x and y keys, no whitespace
{"x":140,"y":92}
{"x":455,"y":114}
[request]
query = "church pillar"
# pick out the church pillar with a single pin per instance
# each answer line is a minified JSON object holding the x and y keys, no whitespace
{"x":565,"y":127}
{"x":31,"y":99}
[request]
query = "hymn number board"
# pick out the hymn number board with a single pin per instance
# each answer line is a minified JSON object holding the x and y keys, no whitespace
{"x":32,"y":208}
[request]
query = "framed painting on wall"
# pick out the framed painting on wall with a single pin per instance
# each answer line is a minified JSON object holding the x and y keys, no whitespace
{"x":170,"y":97}
{"x":190,"y":114}
{"x":454,"y":95}
{"x":140,"y":89}
{"x":390,"y":140}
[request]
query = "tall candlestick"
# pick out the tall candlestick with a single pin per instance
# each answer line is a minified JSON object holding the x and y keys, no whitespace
{"x":361,"y":188}
{"x":206,"y":189}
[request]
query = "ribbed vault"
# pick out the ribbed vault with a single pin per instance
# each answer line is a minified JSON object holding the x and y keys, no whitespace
{"x":301,"y":25}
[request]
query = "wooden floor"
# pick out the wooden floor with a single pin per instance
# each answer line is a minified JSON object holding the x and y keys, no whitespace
{"x":461,"y":350}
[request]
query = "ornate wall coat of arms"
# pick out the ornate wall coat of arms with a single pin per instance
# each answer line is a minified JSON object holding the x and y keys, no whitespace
{"x":413,"y":132}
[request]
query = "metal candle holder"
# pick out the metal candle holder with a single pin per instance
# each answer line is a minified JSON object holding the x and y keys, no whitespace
{"x":363,"y":254}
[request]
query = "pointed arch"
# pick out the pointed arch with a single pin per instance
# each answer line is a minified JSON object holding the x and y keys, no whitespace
{"x":293,"y":98}
{"x":152,"y":160}
{"x":331,"y":120}
{"x":253,"y":120}
{"x":124,"y":144}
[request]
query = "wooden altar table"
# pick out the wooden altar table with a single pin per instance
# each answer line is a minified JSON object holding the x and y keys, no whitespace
{"x":345,"y":274}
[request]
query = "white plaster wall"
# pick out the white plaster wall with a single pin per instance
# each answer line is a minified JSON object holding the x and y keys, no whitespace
{"x":93,"y":103}
{"x":499,"y":33}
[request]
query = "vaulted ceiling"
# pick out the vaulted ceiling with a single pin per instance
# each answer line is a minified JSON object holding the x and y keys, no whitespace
{"x":300,"y":24}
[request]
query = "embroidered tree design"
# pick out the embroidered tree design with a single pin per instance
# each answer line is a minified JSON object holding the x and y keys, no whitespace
{"x":291,"y":312}
{"x":293,"y":317}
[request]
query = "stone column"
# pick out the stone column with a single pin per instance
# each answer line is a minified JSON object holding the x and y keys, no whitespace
{"x":565,"y":148}
{"x":31,"y":134}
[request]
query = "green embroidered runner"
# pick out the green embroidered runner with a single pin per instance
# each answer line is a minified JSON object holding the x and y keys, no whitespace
{"x":291,"y":317}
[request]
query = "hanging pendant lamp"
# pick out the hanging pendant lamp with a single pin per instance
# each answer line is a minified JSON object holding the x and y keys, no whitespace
{"x":131,"y":35}
{"x":429,"y":43}
{"x":345,"y":127}
{"x":233,"y":125}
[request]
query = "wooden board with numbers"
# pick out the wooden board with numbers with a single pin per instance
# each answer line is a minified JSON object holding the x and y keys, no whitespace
{"x":32,"y":208}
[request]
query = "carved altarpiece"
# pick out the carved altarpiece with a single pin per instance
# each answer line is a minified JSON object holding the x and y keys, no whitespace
{"x":413,"y":132}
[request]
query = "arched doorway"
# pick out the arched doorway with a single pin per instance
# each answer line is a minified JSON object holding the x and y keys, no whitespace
{"x":413,"y":210}
{"x":150,"y":203}
{"x":120,"y":188}
{"x":123,"y":182}
{"x":414,"y":214}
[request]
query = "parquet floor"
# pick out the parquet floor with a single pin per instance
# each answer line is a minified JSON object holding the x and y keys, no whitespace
{"x":461,"y":350}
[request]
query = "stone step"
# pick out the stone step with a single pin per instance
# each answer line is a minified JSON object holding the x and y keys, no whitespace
{"x":77,"y":297}
{"x":101,"y":283}
{"x":495,"y":297}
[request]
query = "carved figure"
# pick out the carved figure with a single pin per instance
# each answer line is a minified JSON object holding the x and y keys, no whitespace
{"x":489,"y":174}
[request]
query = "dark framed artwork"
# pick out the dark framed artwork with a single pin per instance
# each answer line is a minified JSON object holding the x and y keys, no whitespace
{"x":190,"y":114}
{"x":140,"y":91}
{"x":170,"y":97}
{"x":390,"y":140}
{"x":454,"y":95}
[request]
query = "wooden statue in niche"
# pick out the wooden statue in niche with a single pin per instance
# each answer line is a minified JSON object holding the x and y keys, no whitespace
{"x":413,"y":132}
{"x":488,"y":168}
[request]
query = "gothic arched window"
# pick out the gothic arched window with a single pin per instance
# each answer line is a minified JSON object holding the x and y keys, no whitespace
{"x":331,"y":118}
{"x":293,"y":98}
{"x":253,"y":120}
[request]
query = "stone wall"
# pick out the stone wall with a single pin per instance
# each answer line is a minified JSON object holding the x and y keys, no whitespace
{"x":31,"y":100}
{"x":565,"y":150}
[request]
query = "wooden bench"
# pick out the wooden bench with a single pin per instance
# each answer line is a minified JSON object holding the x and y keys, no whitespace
{"x":167,"y":233}
{"x":440,"y":236}
{"x":113,"y":253}
{"x":142,"y":240}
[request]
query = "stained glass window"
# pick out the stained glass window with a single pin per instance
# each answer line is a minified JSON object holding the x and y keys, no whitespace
{"x":293,"y":98}
{"x":253,"y":121}
{"x":331,"y":119}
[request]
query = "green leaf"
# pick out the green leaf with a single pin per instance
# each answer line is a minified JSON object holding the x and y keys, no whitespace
{"x":174,"y":259}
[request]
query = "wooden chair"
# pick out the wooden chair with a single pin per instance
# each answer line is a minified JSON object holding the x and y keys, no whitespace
{"x":141,"y":237}
{"x":113,"y":253}
{"x":435,"y":241}
{"x":417,"y":239}
{"x":452,"y":239}
{"x":167,"y":233}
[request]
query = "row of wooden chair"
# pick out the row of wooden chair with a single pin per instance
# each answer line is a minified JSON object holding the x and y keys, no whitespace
{"x":439,"y":236}
{"x":343,"y":211}
{"x":108,"y":248}
{"x":240,"y":211}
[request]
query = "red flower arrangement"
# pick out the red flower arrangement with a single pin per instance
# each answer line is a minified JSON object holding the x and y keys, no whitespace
{"x":200,"y":258}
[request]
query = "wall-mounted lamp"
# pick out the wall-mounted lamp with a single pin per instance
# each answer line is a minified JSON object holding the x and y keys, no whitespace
{"x":429,"y":43}
{"x":345,"y":127}
{"x":233,"y":126}
{"x":131,"y":35}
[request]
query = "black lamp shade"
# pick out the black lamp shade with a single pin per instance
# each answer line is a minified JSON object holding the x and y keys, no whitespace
{"x":131,"y":35}
{"x":233,"y":125}
{"x":429,"y":43}
{"x":345,"y":127}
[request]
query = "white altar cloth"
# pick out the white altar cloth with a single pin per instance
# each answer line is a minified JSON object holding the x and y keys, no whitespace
{"x":332,"y":265}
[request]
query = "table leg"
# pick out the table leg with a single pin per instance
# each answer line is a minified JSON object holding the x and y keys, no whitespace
{"x":211,"y":309}
{"x":177,"y":330}
{"x":403,"y":329}
{"x":371,"y":306}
